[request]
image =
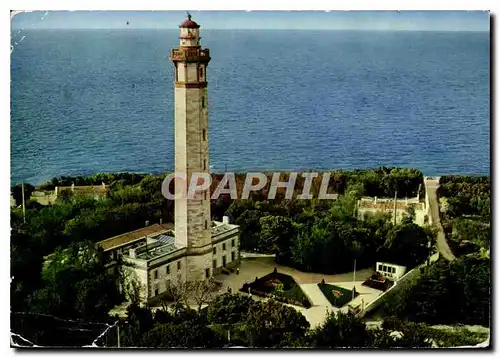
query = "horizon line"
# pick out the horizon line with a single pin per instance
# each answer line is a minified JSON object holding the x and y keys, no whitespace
{"x":245,"y":29}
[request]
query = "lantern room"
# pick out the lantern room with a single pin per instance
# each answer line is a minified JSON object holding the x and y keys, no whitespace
{"x":189,"y":33}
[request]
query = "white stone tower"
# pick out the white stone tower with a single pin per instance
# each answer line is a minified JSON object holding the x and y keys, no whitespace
{"x":192,"y":216}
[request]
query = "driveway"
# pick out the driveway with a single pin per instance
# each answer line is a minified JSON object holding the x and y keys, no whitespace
{"x":431,"y":186}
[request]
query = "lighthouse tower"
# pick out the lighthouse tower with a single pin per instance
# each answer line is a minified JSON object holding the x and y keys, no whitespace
{"x":192,"y":216}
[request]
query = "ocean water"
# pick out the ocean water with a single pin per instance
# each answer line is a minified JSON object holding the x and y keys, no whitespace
{"x":93,"y":101}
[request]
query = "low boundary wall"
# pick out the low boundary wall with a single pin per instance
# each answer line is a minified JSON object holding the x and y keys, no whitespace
{"x":399,"y":284}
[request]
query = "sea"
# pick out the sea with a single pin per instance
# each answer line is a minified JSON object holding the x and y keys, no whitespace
{"x":90,"y":101}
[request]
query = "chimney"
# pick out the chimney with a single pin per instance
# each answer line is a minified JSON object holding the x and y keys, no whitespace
{"x":225,"y":219}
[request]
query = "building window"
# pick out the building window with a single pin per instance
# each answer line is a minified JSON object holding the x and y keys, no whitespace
{"x":206,"y":224}
{"x":201,"y":73}
{"x":393,"y":270}
{"x":224,"y":260}
{"x":205,"y":195}
{"x":156,"y":292}
{"x":215,"y":250}
{"x":203,"y":102}
{"x":207,"y":273}
{"x":384,"y":268}
{"x":178,"y":265}
{"x":232,"y":256}
{"x":204,"y":131}
{"x":156,"y":274}
{"x":224,"y":247}
{"x":168,"y":269}
{"x":232,"y":242}
{"x":214,"y":264}
{"x":380,"y":267}
{"x":204,"y":164}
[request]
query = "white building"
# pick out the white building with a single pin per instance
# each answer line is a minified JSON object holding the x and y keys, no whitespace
{"x":367,"y":206}
{"x":390,"y":271}
{"x":153,"y":257}
{"x":49,"y":197}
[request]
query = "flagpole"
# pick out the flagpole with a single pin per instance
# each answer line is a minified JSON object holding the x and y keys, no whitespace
{"x":24,"y":206}
{"x":354,"y":279}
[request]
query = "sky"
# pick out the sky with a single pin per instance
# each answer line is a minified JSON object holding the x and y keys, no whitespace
{"x":314,"y":20}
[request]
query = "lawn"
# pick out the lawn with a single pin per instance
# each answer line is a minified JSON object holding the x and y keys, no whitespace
{"x":283,"y":287}
{"x":330,"y":291}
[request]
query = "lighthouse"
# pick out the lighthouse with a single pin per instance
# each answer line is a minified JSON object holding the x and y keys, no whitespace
{"x":200,"y":248}
{"x":192,"y":215}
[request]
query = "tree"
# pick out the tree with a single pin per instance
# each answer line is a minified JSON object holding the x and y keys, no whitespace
{"x":202,"y":292}
{"x":473,"y":231}
{"x":132,"y":288}
{"x":140,"y":320}
{"x":407,"y":244}
{"x":447,"y":293}
{"x":183,"y":335}
{"x":176,"y":293}
{"x":229,"y":308}
{"x":17,"y":191}
{"x":271,"y":324}
{"x":407,"y":334}
{"x":85,"y":256}
{"x":382,"y":339}
{"x":414,"y":336}
{"x":411,"y":213}
{"x":95,"y":296}
{"x":249,"y":222}
{"x":341,"y":330}
{"x":275,"y":234}
{"x":76,"y":284}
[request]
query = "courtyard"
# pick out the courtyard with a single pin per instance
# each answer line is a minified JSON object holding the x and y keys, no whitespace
{"x":256,"y":266}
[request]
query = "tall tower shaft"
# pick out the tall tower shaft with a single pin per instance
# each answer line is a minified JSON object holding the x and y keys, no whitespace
{"x":192,"y":216}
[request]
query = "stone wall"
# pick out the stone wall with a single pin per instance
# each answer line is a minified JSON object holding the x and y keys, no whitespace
{"x":400,"y":214}
{"x":197,"y":266}
{"x":168,"y":273}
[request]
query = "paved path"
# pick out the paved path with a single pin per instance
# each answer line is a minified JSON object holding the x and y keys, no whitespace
{"x":315,"y":315}
{"x":431,"y":186}
{"x":315,"y":295}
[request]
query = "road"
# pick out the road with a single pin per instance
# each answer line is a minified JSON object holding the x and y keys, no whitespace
{"x":431,"y":186}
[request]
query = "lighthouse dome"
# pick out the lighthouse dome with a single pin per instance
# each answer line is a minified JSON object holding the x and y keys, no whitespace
{"x":189,"y":24}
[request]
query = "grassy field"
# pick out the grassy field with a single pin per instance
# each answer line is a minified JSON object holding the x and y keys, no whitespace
{"x":344,"y":297}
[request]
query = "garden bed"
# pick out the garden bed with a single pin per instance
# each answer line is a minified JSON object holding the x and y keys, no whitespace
{"x":378,"y":282}
{"x":279,"y":286}
{"x":337,"y":296}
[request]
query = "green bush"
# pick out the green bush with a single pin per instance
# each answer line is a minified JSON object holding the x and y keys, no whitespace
{"x":291,"y":292}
